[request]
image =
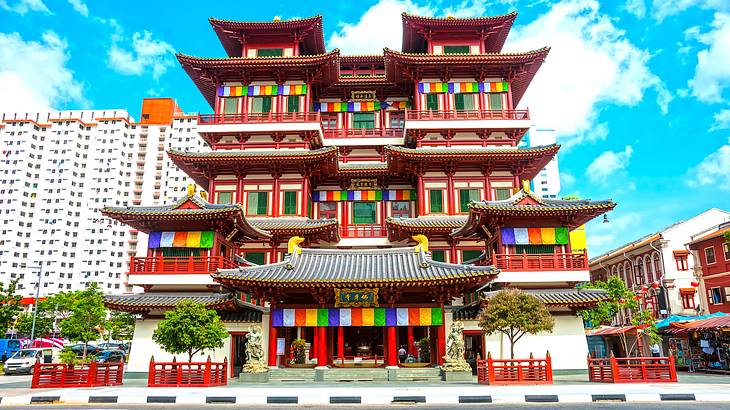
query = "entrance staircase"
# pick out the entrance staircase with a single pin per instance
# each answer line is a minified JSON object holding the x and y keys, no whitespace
{"x":355,"y":375}
{"x":419,"y":374}
{"x":413,"y":374}
{"x":285,"y":374}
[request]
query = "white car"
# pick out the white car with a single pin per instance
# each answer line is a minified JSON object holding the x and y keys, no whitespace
{"x":23,"y":360}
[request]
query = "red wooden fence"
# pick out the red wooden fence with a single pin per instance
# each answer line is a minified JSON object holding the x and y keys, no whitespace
{"x":187,"y":374}
{"x":46,"y":375}
{"x":515,"y":371}
{"x":631,"y":369}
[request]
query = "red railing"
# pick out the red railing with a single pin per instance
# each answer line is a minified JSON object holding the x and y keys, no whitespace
{"x":364,"y":361}
{"x":515,"y":371}
{"x":538,"y":262}
{"x":187,"y":374}
{"x":363,"y":231}
{"x":364,"y":133}
{"x":267,"y":117}
{"x":631,"y":369}
{"x":468,"y":115}
{"x":54,"y":375}
{"x":178,"y":264}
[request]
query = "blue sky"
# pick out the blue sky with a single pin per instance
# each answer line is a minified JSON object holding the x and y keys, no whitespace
{"x":636,"y":89}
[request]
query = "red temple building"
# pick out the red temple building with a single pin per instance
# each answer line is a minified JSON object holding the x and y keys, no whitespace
{"x":362,"y":203}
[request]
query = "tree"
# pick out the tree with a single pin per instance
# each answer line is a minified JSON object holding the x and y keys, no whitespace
{"x":190,"y":328}
{"x":120,"y":324}
{"x":515,"y":314}
{"x":43,"y":322}
{"x":9,"y":305}
{"x":61,"y":303}
{"x":87,"y":316}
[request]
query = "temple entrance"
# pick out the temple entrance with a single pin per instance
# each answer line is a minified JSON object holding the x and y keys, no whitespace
{"x":361,"y":347}
{"x":238,"y":352}
{"x":473,"y":348}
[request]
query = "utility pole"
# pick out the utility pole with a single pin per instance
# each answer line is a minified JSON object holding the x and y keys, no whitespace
{"x":35,"y":302}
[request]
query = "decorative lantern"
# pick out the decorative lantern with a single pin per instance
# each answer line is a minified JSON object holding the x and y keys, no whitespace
{"x":695,"y":284}
{"x":637,"y":297}
{"x":655,"y":285}
{"x":644,"y":289}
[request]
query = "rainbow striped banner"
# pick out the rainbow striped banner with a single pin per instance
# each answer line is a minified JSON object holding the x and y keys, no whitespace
{"x":380,"y":195}
{"x":189,"y":239}
{"x":534,"y":236}
{"x":359,"y":106}
{"x":339,"y":317}
{"x":256,"y":90}
{"x":463,"y":87}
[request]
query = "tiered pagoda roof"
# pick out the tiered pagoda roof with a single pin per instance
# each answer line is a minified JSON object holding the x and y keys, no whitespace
{"x":283,"y":228}
{"x":224,"y":302}
{"x":571,"y":298}
{"x":307,"y":32}
{"x":431,"y":226}
{"x":492,"y":29}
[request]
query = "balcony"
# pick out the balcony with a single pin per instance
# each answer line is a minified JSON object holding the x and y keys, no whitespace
{"x":544,"y":262}
{"x":467,"y":119}
{"x":363,"y":231}
{"x":260,"y":123}
{"x":363,"y":136}
{"x":160,"y":265}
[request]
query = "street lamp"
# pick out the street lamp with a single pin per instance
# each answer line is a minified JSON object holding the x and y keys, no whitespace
{"x":35,"y":302}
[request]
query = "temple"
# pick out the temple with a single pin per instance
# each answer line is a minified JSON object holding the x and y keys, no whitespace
{"x":360,"y":204}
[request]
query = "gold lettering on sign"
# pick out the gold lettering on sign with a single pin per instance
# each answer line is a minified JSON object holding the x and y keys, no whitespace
{"x":364,"y":183}
{"x":362,"y":95}
{"x":356,"y":297}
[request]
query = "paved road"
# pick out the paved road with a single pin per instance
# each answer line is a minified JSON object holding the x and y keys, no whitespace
{"x":594,"y":406}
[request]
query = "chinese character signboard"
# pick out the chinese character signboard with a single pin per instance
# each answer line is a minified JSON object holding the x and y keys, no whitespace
{"x":356,"y":297}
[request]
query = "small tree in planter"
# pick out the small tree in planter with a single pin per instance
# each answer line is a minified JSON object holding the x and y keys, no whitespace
{"x":190,"y":328}
{"x":515,"y":314}
{"x":86,"y":316}
{"x":424,"y":350}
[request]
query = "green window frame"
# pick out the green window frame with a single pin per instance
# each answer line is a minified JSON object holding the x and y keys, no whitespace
{"x":457,"y":49}
{"x":230,"y":105}
{"x":495,"y":101}
{"x":258,"y":258}
{"x":270,"y":52}
{"x":438,"y":255}
{"x":469,"y":254}
{"x":432,"y":102}
{"x":465,"y":196}
{"x":179,"y":252}
{"x":363,"y":120}
{"x":535,"y":249}
{"x":363,"y":212}
{"x":464,"y":101}
{"x":257,"y":203}
{"x":436,"y":201}
{"x":292,"y":103}
{"x":261,"y":104}
{"x":290,"y":203}
{"x":502,"y":193}
{"x":225,"y":198}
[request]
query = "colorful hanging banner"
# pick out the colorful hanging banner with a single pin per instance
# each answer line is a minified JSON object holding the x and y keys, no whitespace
{"x":339,"y":317}
{"x":463,"y":87}
{"x":359,"y":106}
{"x":191,"y":239}
{"x":534,"y":236}
{"x":257,"y":90}
{"x":378,"y":195}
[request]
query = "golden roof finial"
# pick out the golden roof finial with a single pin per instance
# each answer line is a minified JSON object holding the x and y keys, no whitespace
{"x":204,"y":195}
{"x":293,"y":245}
{"x":526,"y":185}
{"x":450,"y":16}
{"x":422,"y":243}
{"x":277,"y":18}
{"x":191,"y":190}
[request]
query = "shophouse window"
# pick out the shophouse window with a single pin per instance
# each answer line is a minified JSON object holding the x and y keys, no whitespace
{"x":710,"y":254}
{"x":261,"y":104}
{"x":363,"y":212}
{"x":270,"y":52}
{"x":464,"y":101}
{"x":466,"y":196}
{"x":456,"y":49}
{"x":681,"y":262}
{"x":470,"y":254}
{"x":363,"y":120}
{"x":436,"y":200}
{"x":495,"y":101}
{"x":290,"y":203}
{"x":502,"y":193}
{"x":688,"y":300}
{"x":258,"y":258}
{"x":438,"y":255}
{"x":327,"y":210}
{"x":432,"y":102}
{"x":230,"y":105}
{"x":726,"y":250}
{"x":258,"y":203}
{"x":401,"y":209}
{"x":716,"y":296}
{"x":224,"y":198}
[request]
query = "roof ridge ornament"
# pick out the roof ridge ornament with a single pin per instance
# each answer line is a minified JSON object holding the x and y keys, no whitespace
{"x":191,"y":190}
{"x":526,"y":185}
{"x":422,"y":241}
{"x":293,"y":245}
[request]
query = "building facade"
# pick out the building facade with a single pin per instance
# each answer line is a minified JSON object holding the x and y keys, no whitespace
{"x":546,"y":183}
{"x":361,"y":203}
{"x":711,"y":252}
{"x":661,"y":262}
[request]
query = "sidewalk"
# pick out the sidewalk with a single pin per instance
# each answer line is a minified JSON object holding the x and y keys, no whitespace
{"x":567,"y":389}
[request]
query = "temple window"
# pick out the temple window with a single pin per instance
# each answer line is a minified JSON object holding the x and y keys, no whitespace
{"x":401,"y":209}
{"x":270,"y":52}
{"x":456,"y":49}
{"x":466,"y":196}
{"x":438,"y":255}
{"x":495,"y":101}
{"x":363,"y":120}
{"x":396,"y":120}
{"x":179,"y":252}
{"x":224,"y":197}
{"x":502,"y":193}
{"x":290,"y":203}
{"x":535,"y":249}
{"x":436,"y":201}
{"x":470,"y":254}
{"x":258,"y":258}
{"x":329,"y":121}
{"x":230,"y":105}
{"x":363,"y":212}
{"x":261,"y":104}
{"x":432,"y":102}
{"x":258,"y":203}
{"x":710,"y":254}
{"x":327,"y":210}
{"x":464,"y":101}
{"x":292,"y":103}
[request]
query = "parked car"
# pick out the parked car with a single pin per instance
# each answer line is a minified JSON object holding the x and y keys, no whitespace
{"x":23,"y":361}
{"x":8,"y":347}
{"x":79,"y":349}
{"x":109,"y":356}
{"x":111,"y":346}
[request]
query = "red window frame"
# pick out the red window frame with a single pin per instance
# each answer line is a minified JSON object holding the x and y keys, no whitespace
{"x":327,"y":213}
{"x":681,"y":261}
{"x":688,"y":300}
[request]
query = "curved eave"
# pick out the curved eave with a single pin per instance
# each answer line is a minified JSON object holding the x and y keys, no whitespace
{"x":399,"y":229}
{"x":499,"y":26}
{"x":228,"y":31}
{"x":227,"y":304}
{"x":362,"y":59}
{"x":327,"y":231}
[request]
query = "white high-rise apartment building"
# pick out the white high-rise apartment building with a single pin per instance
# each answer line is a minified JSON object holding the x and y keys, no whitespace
{"x":57,"y":170}
{"x":546,"y":183}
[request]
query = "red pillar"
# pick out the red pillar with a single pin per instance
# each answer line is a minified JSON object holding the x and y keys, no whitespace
{"x":421,"y":193}
{"x":322,"y":356}
{"x":314,"y":350}
{"x":340,"y":342}
{"x":272,"y":343}
{"x":392,"y":355}
{"x":441,"y":344}
{"x":411,"y":342}
{"x":450,"y":194}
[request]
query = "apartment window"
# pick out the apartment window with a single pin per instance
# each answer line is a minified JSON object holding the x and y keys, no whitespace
{"x":290,"y":203}
{"x":688,"y":299}
{"x":258,"y":203}
{"x":495,"y":101}
{"x":327,"y":210}
{"x":710,"y":255}
{"x":466,"y":196}
{"x":470,"y":254}
{"x":292,"y":103}
{"x":456,"y":49}
{"x":438,"y":255}
{"x":436,"y":200}
{"x":363,"y":120}
{"x":261,"y":104}
{"x":258,"y":258}
{"x":230,"y":105}
{"x":400,"y":209}
{"x":270,"y":52}
{"x":726,"y":250}
{"x":224,"y":198}
{"x":432,"y":102}
{"x":681,"y":261}
{"x":363,"y":212}
{"x":502,"y":193}
{"x":464,"y":102}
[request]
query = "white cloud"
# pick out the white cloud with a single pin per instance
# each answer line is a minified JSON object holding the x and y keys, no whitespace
{"x":712,"y":73}
{"x":636,"y":7}
{"x":722,"y":120}
{"x":602,"y":236}
{"x":80,"y":7}
{"x":665,"y":8}
{"x":608,"y":165}
{"x":146,"y":53}
{"x":713,"y":170}
{"x":591,"y":62}
{"x":24,"y":6}
{"x":34,"y":75}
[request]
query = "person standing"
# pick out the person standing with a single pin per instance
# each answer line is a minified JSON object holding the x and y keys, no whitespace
{"x":655,"y":350}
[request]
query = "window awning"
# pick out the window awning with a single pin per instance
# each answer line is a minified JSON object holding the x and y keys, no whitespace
{"x":611,"y":331}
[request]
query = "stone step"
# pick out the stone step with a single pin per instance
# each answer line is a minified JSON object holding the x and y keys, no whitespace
{"x":419,"y":374}
{"x":288,"y":374}
{"x":355,"y":375}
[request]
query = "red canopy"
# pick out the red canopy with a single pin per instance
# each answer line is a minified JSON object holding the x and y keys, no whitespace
{"x":719,"y":322}
{"x":609,"y":331}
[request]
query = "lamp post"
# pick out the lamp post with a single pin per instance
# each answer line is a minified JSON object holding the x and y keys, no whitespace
{"x":35,"y":302}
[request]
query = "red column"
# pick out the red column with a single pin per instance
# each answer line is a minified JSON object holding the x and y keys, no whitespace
{"x":275,"y":197}
{"x":305,"y":197}
{"x":391,"y":356}
{"x":272,"y":343}
{"x":421,"y":193}
{"x":441,"y":344}
{"x":322,"y":346}
{"x":450,"y":194}
{"x":411,"y":341}
{"x":340,"y":342}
